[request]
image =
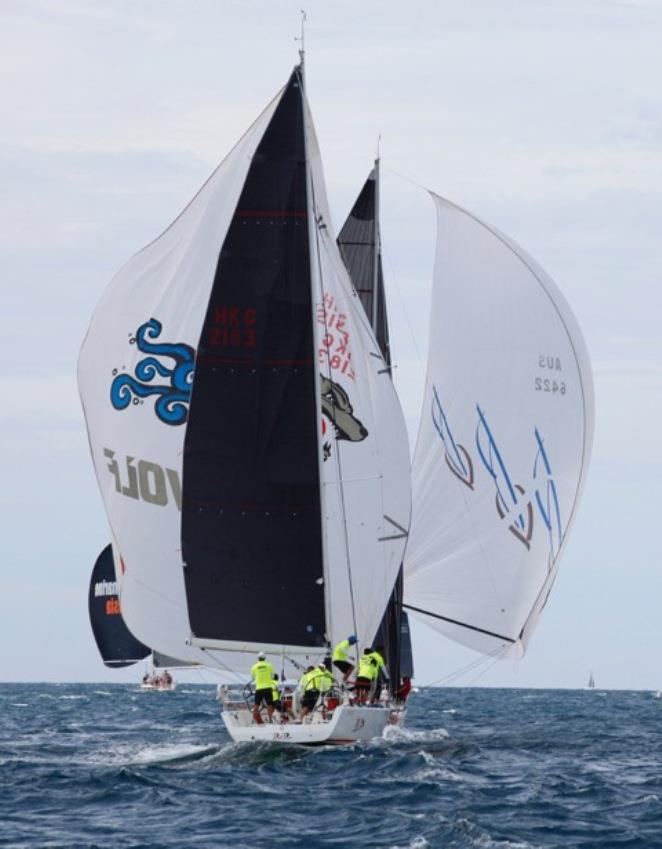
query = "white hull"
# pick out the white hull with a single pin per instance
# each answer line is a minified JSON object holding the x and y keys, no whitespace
{"x":159,"y":688}
{"x":348,"y":724}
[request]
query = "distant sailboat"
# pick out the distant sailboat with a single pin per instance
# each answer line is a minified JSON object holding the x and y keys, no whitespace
{"x":117,"y":645}
{"x":591,"y":681}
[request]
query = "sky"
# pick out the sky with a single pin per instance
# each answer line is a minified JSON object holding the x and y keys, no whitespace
{"x":543,"y":118}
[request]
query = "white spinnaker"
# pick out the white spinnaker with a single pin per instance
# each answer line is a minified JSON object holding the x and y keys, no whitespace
{"x":137,"y":456}
{"x":366,"y":494}
{"x":504,"y":440}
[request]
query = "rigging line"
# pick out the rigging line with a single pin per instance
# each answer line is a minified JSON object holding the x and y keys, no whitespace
{"x":328,"y":366}
{"x":407,"y":179}
{"x":458,"y":673}
{"x":222,"y":667}
{"x":484,"y":671}
{"x":393,"y":276}
{"x":467,"y":668}
{"x":158,"y":593}
{"x":460,"y":624}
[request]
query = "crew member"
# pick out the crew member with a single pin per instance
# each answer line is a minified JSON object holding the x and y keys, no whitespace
{"x":282,"y":704}
{"x":323,"y":679}
{"x":377,"y":653}
{"x":340,"y":659}
{"x":403,"y":690}
{"x":308,"y":683}
{"x":367,"y":674}
{"x":262,"y":674}
{"x":275,"y":694}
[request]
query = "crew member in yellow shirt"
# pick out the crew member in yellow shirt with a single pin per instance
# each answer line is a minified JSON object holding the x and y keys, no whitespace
{"x":262,"y":674}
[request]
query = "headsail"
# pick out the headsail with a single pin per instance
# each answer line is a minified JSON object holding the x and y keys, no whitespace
{"x":117,"y":645}
{"x":504,"y":440}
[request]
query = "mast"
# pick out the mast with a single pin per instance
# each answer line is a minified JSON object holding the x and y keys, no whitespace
{"x":375,"y":254}
{"x":390,"y":630}
{"x":315,"y":285}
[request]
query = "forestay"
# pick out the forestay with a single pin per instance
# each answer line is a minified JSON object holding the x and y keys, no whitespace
{"x":504,"y":440}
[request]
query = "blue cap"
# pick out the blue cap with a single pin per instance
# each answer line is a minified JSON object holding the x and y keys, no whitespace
{"x":351,"y":639}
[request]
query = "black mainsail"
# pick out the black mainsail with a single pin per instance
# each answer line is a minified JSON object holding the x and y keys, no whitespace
{"x":251,"y":520}
{"x":360,"y":249}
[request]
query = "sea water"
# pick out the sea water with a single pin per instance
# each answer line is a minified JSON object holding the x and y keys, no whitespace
{"x":110,"y":766}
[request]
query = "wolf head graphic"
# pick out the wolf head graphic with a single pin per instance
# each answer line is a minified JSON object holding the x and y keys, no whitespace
{"x":337,"y":408}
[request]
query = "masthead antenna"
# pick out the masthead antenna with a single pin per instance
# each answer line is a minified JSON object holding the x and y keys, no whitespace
{"x":300,"y":39}
{"x":379,"y":138}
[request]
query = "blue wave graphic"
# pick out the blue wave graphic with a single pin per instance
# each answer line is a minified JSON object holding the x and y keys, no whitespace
{"x":172,"y":398}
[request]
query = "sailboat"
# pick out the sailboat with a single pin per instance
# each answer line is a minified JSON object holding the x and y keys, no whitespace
{"x":116,"y":644}
{"x":252,"y":454}
{"x":591,"y":681}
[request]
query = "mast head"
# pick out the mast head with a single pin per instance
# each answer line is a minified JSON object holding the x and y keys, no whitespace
{"x":300,"y":39}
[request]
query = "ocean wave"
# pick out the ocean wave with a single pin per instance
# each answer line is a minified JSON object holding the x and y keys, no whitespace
{"x":515,"y":773}
{"x":396,"y":733}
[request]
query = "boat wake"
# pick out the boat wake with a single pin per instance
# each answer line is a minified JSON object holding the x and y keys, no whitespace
{"x":395,"y":734}
{"x":174,"y":754}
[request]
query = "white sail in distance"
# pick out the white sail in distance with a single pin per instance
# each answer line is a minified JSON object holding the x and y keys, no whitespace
{"x":504,"y":440}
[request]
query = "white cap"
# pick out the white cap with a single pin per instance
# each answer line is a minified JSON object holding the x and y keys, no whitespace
{"x":261,"y":655}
